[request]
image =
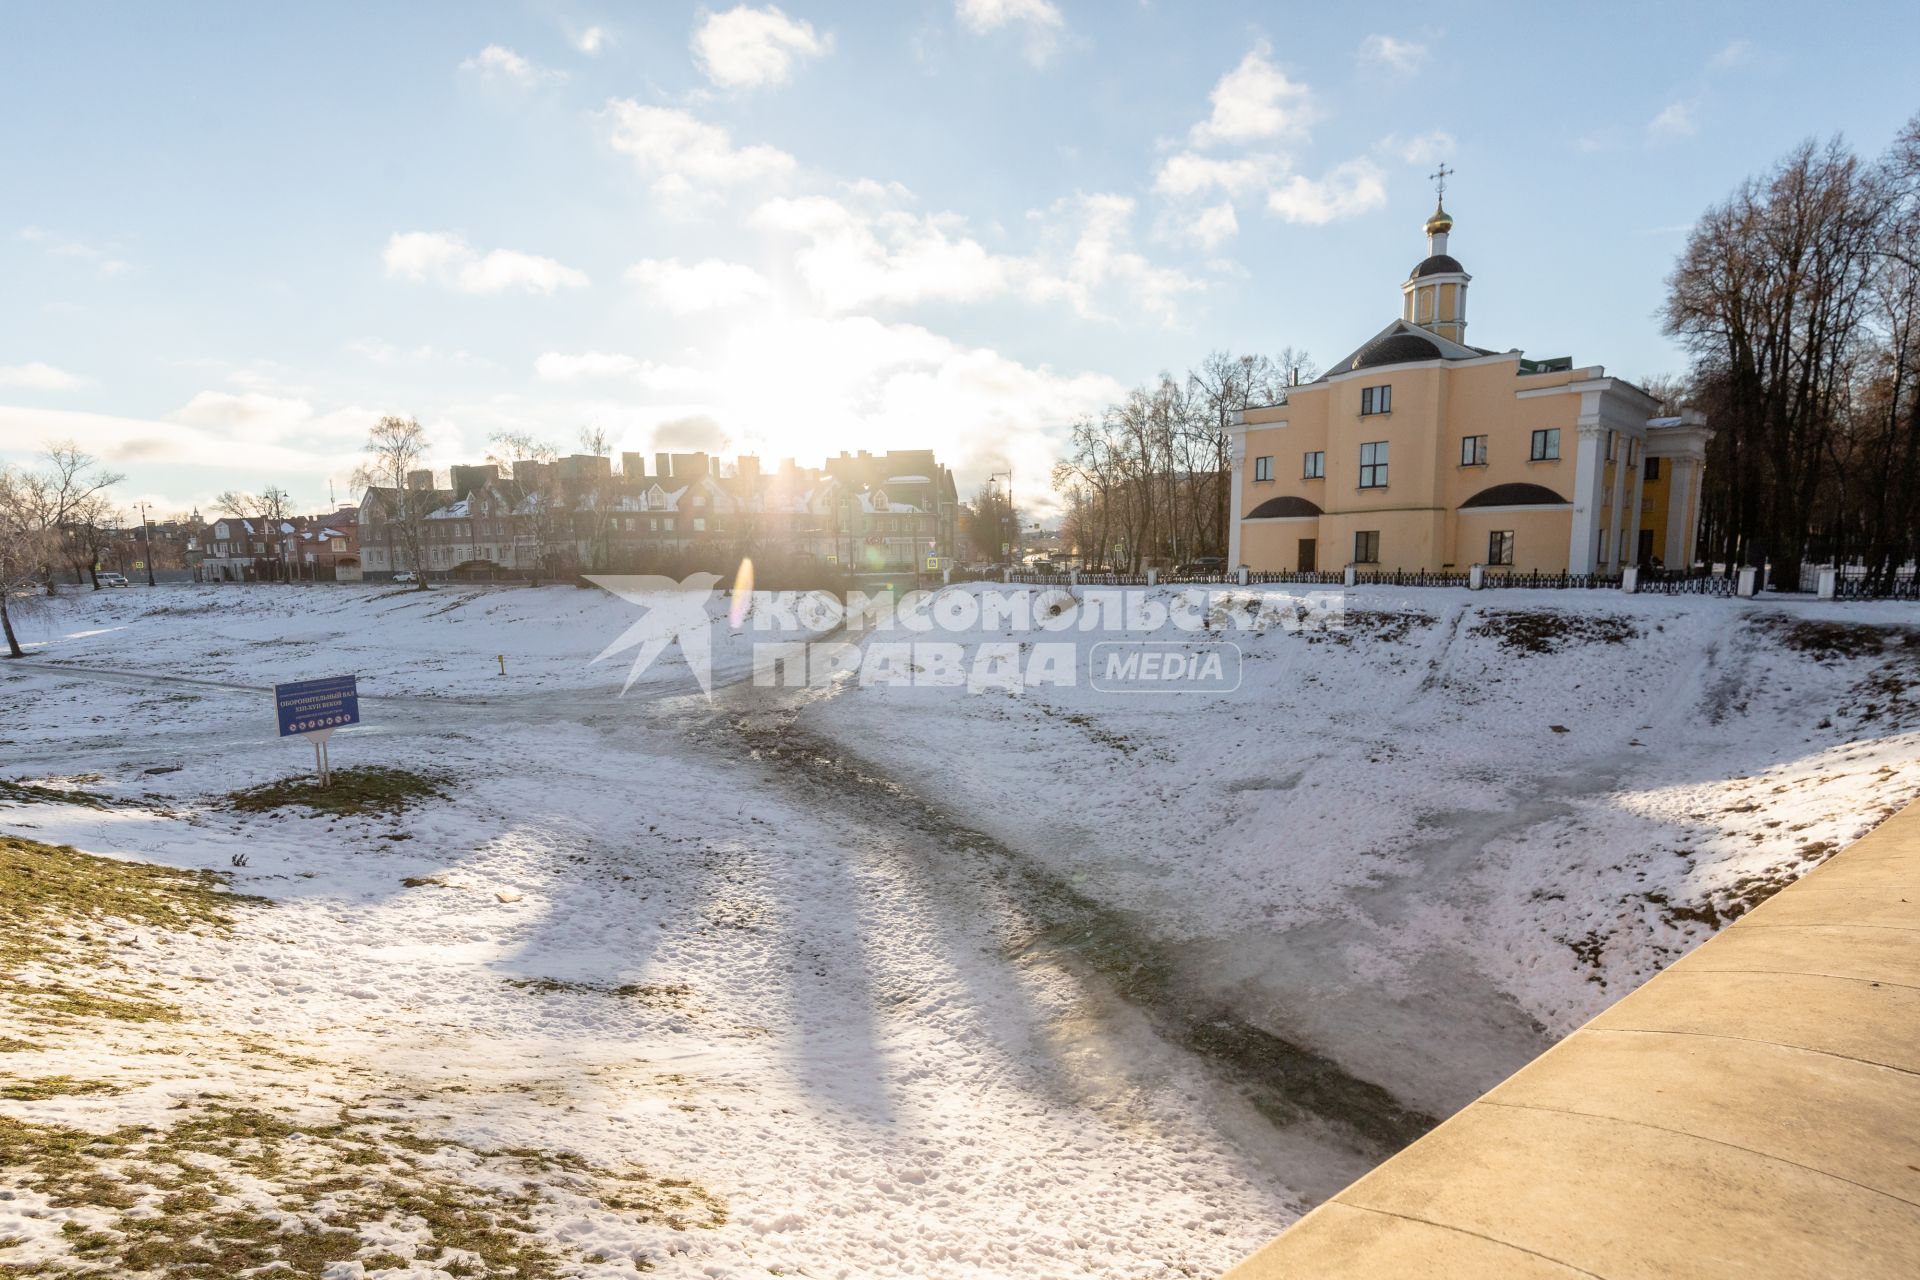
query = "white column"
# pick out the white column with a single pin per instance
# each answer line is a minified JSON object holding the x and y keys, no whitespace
{"x":1589,"y":468}
{"x":1611,"y":554}
{"x":1233,"y":516}
{"x":1679,"y":548}
{"x":1633,"y":509}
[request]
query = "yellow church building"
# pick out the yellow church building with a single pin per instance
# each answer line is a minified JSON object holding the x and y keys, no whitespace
{"x":1421,"y":452}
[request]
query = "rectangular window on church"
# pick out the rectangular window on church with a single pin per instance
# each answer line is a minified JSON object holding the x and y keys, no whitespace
{"x":1500,"y":547}
{"x":1653,"y":468}
{"x":1315,"y":465}
{"x":1366,"y":546}
{"x":1263,"y":468}
{"x":1375,"y":400}
{"x":1473,"y":451}
{"x":1373,"y":465}
{"x":1546,"y":445}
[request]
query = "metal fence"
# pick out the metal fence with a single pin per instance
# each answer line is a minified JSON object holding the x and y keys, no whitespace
{"x":1857,"y":582}
{"x":1417,"y":578}
{"x":1680,"y":582}
{"x":1311,"y":577}
{"x":1555,"y":581}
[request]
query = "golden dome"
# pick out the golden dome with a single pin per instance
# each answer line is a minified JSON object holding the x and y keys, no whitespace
{"x":1440,"y":221}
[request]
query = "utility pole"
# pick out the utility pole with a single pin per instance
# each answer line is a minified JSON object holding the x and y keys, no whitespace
{"x":146,"y":539}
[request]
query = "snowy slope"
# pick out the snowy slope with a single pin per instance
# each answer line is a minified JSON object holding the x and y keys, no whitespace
{"x":1414,"y":840}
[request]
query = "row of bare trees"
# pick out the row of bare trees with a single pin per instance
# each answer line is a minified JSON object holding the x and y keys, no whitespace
{"x":59,"y":512}
{"x":1150,"y":478}
{"x":1798,"y":298}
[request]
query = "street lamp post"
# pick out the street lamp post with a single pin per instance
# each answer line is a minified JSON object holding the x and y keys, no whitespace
{"x":146,"y":540}
{"x":1009,"y":522}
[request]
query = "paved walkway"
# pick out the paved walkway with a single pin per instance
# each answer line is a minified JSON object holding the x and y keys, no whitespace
{"x":1752,"y":1111}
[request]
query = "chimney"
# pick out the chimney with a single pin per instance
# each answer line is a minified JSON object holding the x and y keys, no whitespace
{"x":662,"y":467}
{"x":633,"y":466}
{"x":713,"y":466}
{"x":748,"y":466}
{"x":419,"y":479}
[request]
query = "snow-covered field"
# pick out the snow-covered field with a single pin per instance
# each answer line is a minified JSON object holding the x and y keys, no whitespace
{"x":852,"y":961}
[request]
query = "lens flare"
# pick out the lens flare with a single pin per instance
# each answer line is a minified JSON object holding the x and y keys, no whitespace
{"x":742,"y":595}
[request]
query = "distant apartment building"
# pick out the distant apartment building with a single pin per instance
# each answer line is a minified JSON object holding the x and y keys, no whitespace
{"x":890,"y":512}
{"x":237,"y":548}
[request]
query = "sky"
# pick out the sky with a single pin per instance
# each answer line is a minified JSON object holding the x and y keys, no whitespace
{"x":234,"y":235}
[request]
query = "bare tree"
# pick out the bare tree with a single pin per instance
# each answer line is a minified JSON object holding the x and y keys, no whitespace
{"x":72,"y":479}
{"x":594,"y":497}
{"x":271,"y":508}
{"x":92,"y":525}
{"x":541,"y":518}
{"x":1769,"y":296}
{"x":26,"y":535}
{"x":396,"y":448}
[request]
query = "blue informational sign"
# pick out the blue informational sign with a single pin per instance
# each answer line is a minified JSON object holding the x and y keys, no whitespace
{"x":306,"y":706}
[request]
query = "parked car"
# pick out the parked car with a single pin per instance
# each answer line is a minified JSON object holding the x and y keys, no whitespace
{"x":406,"y":575}
{"x":111,"y":579}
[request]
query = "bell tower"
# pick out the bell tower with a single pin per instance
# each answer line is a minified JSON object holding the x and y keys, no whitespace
{"x":1435,"y":295}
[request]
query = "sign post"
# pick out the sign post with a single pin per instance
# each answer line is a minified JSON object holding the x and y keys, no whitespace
{"x":313,"y":709}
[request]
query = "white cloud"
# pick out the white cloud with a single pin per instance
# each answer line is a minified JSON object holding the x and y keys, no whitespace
{"x":590,"y":41}
{"x":1735,"y":53}
{"x":753,"y":48}
{"x":1212,"y":226}
{"x":1255,"y":100}
{"x":1347,"y":190}
{"x":557,"y":366}
{"x":685,"y":154}
{"x":868,"y":252}
{"x":445,"y":258}
{"x":1188,"y":173}
{"x":497,"y":62}
{"x":1674,"y":123}
{"x":1040,"y":20}
{"x":38,"y":376}
{"x":105,"y":261}
{"x":709,"y":285}
{"x":248,"y":418}
{"x":124,"y":441}
{"x":1421,"y":148}
{"x":854,"y":257}
{"x":1100,"y":261}
{"x":382,"y":352}
{"x":1404,"y":56}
